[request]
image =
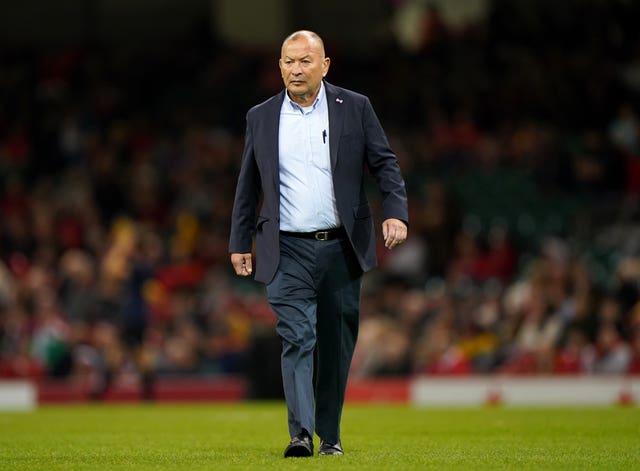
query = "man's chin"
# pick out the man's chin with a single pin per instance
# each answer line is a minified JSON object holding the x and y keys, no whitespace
{"x":296,"y":89}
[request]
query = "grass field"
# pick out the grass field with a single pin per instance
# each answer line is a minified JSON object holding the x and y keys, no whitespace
{"x":253,"y":436}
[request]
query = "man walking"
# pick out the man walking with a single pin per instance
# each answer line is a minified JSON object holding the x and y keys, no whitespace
{"x":305,"y":152}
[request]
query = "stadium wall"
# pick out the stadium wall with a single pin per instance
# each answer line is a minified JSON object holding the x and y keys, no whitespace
{"x":465,"y":391}
{"x":525,"y":391}
{"x":18,"y":395}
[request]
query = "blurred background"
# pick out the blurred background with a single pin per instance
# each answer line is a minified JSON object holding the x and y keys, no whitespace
{"x":121,"y":130}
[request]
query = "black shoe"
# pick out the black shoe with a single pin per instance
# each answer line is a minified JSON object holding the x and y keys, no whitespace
{"x":300,"y":446}
{"x":330,"y":448}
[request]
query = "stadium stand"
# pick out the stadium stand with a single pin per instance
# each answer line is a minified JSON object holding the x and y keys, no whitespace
{"x":522,"y":159}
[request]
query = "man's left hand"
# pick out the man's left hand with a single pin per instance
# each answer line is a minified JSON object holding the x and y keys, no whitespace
{"x":394,"y":232}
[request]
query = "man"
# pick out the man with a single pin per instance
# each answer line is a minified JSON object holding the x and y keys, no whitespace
{"x":305,"y":153}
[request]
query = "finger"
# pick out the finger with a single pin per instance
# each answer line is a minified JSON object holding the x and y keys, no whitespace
{"x":385,"y":231}
{"x":234,"y":263}
{"x":396,"y":243}
{"x":239,"y":262}
{"x":239,"y":268}
{"x":391,"y":237}
{"x":398,"y":237}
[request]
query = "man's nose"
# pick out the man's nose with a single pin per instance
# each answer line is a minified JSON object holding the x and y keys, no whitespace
{"x":296,"y":69}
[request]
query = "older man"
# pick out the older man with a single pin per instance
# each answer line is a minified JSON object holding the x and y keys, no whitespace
{"x":305,"y":152}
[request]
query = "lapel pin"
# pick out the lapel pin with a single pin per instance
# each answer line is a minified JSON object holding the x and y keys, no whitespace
{"x":339,"y":100}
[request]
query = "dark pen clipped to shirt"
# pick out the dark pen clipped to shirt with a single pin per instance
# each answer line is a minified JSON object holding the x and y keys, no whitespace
{"x":324,"y":136}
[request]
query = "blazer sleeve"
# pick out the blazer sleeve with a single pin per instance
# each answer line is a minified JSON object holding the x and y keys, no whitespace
{"x":383,"y":165}
{"x":248,"y":191}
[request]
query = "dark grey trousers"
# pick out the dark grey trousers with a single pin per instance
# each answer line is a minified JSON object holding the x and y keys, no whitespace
{"x":316,"y":297}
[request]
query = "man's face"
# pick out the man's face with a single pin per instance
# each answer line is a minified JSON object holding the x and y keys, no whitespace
{"x":303,"y":66}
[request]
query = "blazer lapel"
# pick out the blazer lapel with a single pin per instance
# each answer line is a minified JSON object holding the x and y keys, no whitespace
{"x":271,"y":126}
{"x":335,"y":104}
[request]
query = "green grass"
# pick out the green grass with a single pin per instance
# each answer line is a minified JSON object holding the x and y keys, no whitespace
{"x":253,"y":436}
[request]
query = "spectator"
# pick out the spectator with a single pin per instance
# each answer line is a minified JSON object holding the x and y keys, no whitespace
{"x":115,"y":194}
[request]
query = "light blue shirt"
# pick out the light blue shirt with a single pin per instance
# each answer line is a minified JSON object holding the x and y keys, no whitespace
{"x":307,"y":200}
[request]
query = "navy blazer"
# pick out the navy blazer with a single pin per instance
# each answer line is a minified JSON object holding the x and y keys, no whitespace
{"x":356,"y":141}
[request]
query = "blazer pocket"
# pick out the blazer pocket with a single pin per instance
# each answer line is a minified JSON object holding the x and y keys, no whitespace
{"x":362,"y":211}
{"x":260,"y":222}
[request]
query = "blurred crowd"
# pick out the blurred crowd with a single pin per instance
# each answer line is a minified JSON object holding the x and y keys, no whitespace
{"x":519,"y":142}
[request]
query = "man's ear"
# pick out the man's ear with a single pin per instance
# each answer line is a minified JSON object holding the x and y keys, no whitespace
{"x":327,"y":63}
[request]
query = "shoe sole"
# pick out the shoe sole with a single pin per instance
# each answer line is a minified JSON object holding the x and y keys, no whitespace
{"x":298,"y":451}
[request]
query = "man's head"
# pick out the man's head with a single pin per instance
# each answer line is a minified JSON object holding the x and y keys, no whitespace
{"x":303,"y":66}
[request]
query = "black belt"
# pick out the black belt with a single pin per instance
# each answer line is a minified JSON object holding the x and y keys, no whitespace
{"x":327,"y":234}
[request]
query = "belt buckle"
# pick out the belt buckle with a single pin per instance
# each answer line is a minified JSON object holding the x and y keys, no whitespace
{"x":321,"y":235}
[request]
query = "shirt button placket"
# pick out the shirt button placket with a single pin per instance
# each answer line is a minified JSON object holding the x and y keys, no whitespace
{"x":307,"y":118}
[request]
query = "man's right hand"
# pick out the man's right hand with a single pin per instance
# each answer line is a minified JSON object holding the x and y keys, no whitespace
{"x":242,"y":263}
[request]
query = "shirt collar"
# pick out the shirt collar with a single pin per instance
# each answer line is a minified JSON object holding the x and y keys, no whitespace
{"x":321,"y":96}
